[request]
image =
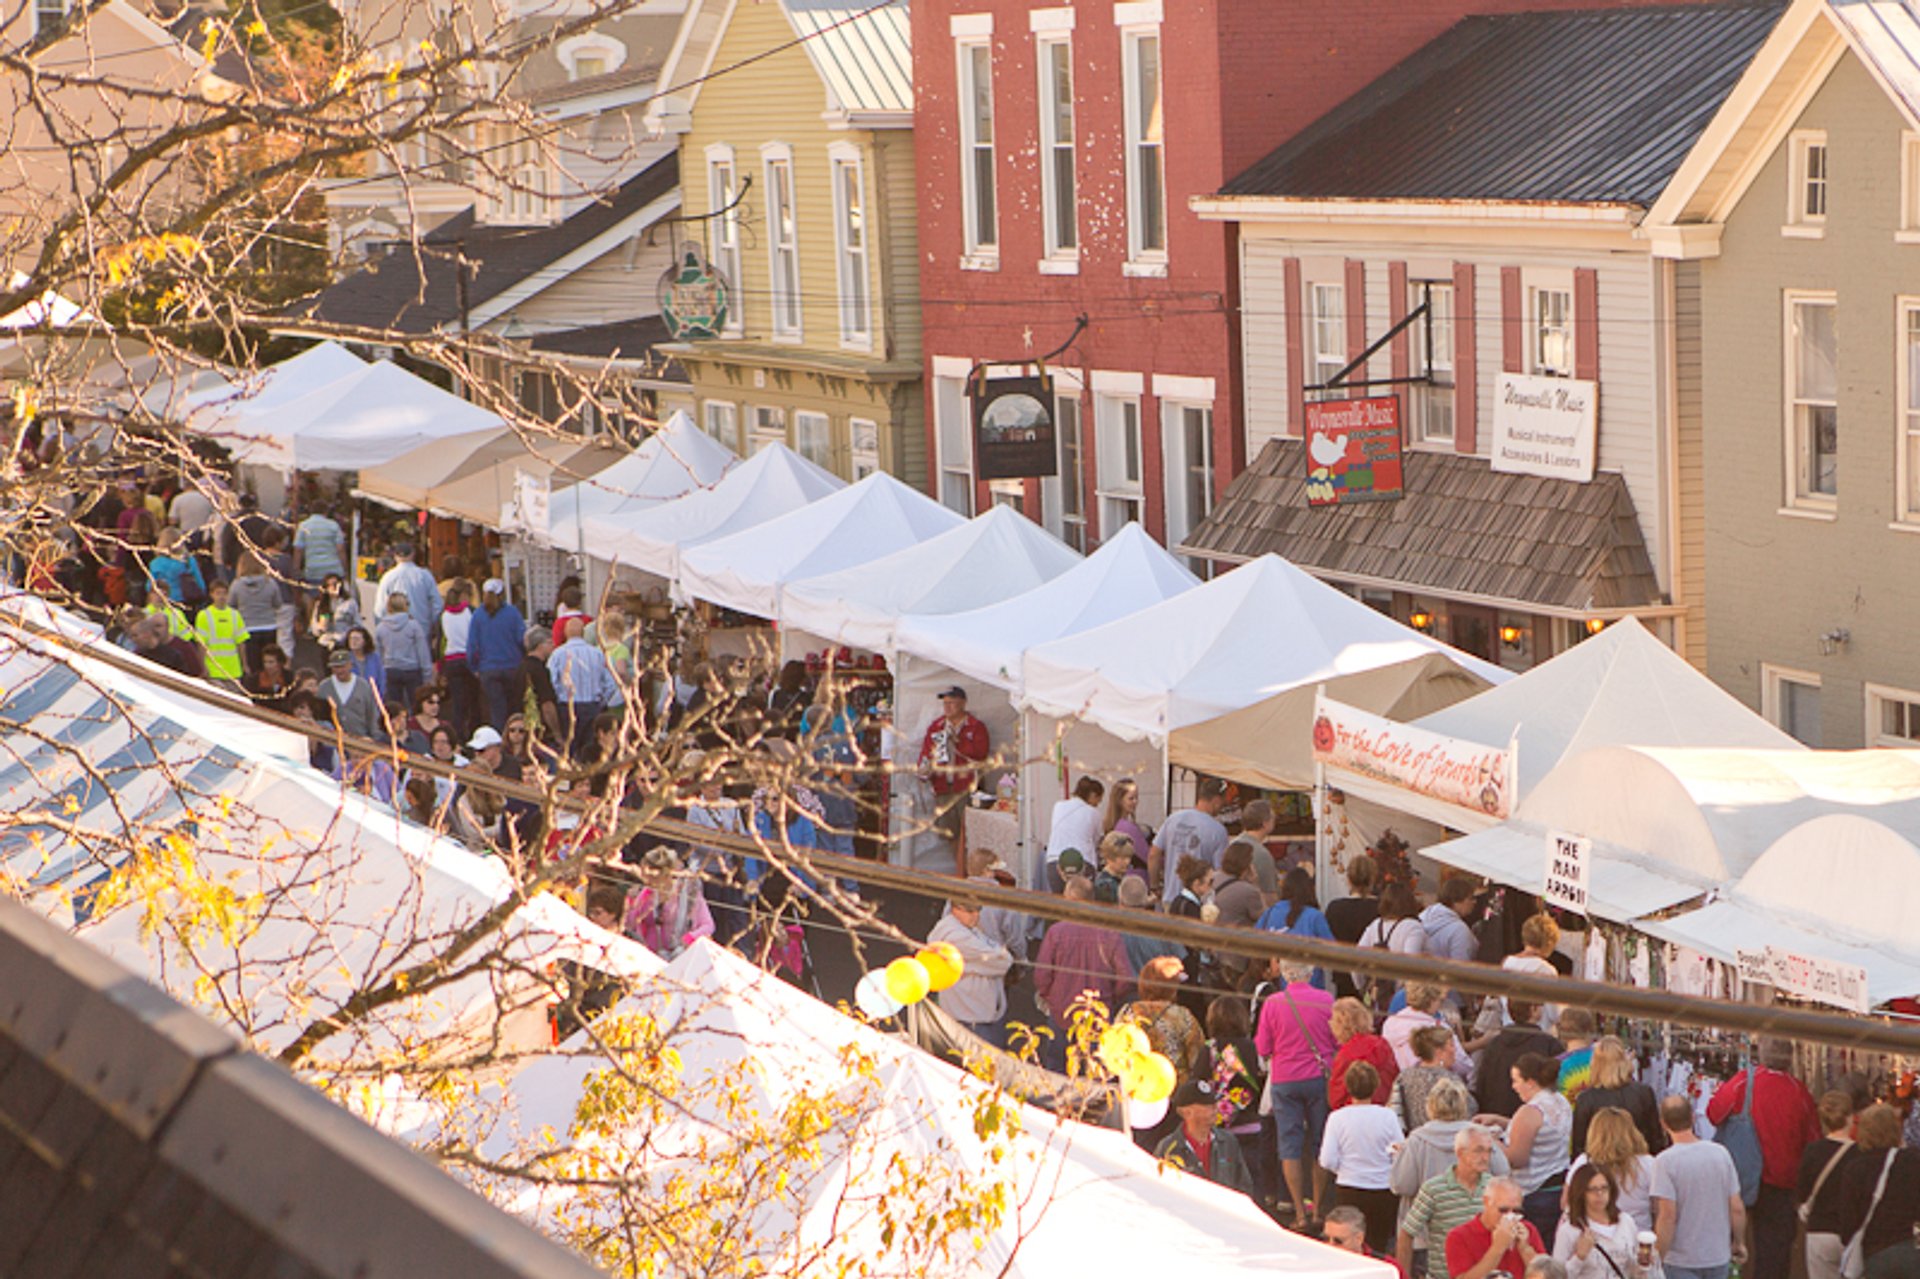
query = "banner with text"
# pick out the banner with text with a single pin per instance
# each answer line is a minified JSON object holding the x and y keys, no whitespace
{"x":1822,"y":981}
{"x":1569,"y":871}
{"x":1545,"y":426}
{"x":1353,"y":451}
{"x":1449,"y":769}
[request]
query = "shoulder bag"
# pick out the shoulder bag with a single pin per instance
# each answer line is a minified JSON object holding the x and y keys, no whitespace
{"x":1326,"y":1067}
{"x":1742,"y":1140}
{"x":1806,"y":1209}
{"x":1853,"y":1260}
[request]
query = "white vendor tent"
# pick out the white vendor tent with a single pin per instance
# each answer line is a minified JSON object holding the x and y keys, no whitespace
{"x":1622,"y":687}
{"x":990,"y":558}
{"x":477,"y":476}
{"x":351,"y":423}
{"x":263,"y":391}
{"x":1673,"y":823}
{"x":1264,"y":630}
{"x":1081,"y":1198}
{"x":749,"y":571}
{"x":674,"y":461}
{"x":1842,"y":888}
{"x":767,"y":485}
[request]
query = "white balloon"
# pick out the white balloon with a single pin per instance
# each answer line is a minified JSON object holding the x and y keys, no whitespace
{"x":871,"y":996}
{"x":1145,"y":1114}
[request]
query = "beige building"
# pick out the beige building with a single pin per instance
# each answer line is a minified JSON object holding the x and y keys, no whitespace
{"x":794,"y":122}
{"x":1801,"y":212}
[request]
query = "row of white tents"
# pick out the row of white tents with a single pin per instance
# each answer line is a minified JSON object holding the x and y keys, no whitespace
{"x":328,"y":892}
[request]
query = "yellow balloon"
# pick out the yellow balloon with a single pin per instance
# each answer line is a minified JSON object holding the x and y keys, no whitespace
{"x":1155,"y":1080}
{"x":943,"y":962}
{"x":907,"y":980}
{"x":1120,"y":1045}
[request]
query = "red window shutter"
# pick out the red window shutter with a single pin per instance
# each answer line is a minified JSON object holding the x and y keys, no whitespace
{"x":1513,"y":321}
{"x":1586,"y":324}
{"x":1356,"y":315}
{"x":1466,"y":402}
{"x":1296,"y":317}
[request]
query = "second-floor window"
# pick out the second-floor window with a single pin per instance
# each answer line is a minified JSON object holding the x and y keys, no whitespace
{"x":1433,"y":402}
{"x":1146,"y":179}
{"x":1552,"y":324}
{"x":783,"y":245}
{"x":524,"y":199}
{"x":976,"y":146}
{"x":723,"y":230}
{"x":1056,"y":149}
{"x":1910,"y":411}
{"x":850,"y":234}
{"x":1072,"y":514}
{"x":48,"y":16}
{"x":1807,"y":198}
{"x":1117,"y":459}
{"x":1327,"y":329}
{"x":1813,"y":420}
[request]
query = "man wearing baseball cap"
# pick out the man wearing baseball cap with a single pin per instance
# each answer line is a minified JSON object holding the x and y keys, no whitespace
{"x":954,"y":740}
{"x":1199,"y":1145}
{"x":495,"y":652}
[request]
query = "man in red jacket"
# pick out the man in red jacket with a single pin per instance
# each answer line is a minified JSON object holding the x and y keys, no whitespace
{"x":953,"y":741}
{"x":1786,"y":1121}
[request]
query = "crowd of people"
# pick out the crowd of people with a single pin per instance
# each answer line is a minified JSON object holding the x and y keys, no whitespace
{"x":1460,"y":1139}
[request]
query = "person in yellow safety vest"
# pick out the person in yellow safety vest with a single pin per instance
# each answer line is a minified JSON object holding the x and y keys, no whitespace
{"x":160,"y":604}
{"x":223,"y":634}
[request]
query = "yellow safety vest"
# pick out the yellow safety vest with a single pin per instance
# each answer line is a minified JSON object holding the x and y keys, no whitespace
{"x":221,"y":632}
{"x":178,"y":627}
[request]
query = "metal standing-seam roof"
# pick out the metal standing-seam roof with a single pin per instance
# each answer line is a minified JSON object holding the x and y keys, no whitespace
{"x":1459,"y":528}
{"x":1887,"y":34}
{"x":864,"y":51}
{"x":1577,"y":107}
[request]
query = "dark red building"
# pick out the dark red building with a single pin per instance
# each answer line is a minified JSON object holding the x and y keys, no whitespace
{"x":1057,"y":148}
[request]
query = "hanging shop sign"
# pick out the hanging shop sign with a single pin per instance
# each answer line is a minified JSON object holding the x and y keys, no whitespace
{"x":1353,"y":451}
{"x":1462,"y":773}
{"x":1545,"y":426}
{"x":693,"y":296}
{"x":1013,"y":427}
{"x":1569,"y":870}
{"x":1809,"y":977}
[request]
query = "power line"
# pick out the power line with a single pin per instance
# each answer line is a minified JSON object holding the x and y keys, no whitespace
{"x":1809,"y":1026}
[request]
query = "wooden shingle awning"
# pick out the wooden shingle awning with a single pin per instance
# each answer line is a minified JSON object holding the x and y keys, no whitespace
{"x":1460,"y":529}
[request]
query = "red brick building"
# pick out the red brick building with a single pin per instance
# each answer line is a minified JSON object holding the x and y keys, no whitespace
{"x":1057,"y":149}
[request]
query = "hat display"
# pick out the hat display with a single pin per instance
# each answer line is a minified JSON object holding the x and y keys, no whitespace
{"x":484,"y":736}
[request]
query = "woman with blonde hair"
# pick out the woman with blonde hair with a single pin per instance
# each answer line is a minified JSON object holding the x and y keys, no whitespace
{"x":1615,"y":1147}
{"x":1353,"y":1030}
{"x":1611,"y":1082}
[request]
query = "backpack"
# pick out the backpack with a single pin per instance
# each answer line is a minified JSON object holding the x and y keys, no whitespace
{"x":1741,"y":1139}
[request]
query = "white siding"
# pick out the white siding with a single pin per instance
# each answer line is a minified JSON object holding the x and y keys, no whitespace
{"x":621,"y":284}
{"x":1631,"y":439}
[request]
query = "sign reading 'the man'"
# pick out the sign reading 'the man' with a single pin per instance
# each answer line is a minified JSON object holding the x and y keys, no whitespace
{"x":1545,"y":426}
{"x":1569,"y":863}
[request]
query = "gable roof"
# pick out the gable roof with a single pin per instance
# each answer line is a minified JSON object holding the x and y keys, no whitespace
{"x":862,"y":50}
{"x":1460,"y":528}
{"x":1572,"y":107}
{"x":417,"y":293}
{"x":1788,"y":70}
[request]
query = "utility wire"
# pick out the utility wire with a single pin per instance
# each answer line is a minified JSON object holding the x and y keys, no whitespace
{"x":1835,"y":1030}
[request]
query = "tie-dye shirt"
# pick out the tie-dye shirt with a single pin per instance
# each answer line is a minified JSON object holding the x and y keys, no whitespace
{"x":1576,"y":1069}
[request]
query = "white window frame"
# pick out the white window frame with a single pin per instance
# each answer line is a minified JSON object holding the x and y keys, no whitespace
{"x":1069,"y":526}
{"x":853,"y":262}
{"x":723,"y":235}
{"x":813,"y":438}
{"x":1540,"y":287}
{"x":1429,"y":398}
{"x":1173,"y":447}
{"x":1909,"y":232}
{"x":593,"y":44}
{"x":982,"y":251}
{"x":1057,"y":206}
{"x":1907,"y":406}
{"x":785,"y":290}
{"x":1876,"y":697}
{"x":1800,"y":495}
{"x":1808,"y":171}
{"x":526,"y":194}
{"x":1144,"y":259}
{"x":952,"y":413}
{"x":1119,"y":470}
{"x":728,"y":435}
{"x":65,"y":7}
{"x":769,"y":426}
{"x":1772,"y":704}
{"x":863,"y":448}
{"x":1326,"y":307}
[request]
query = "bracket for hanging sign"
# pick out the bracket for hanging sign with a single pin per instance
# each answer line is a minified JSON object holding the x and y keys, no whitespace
{"x":1422,"y":314}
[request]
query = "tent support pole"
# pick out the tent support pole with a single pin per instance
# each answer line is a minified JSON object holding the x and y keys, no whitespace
{"x":1321,"y":871}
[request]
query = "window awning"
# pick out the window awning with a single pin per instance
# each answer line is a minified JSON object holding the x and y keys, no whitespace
{"x":1459,"y":529}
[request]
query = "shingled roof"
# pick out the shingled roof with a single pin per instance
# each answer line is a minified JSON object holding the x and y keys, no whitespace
{"x":1459,"y":529}
{"x":388,"y":292}
{"x":1573,"y":107}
